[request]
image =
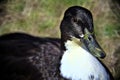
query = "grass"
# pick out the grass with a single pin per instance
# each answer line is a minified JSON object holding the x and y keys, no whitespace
{"x":38,"y":15}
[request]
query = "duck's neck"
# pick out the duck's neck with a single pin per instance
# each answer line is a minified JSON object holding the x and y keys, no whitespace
{"x":78,"y":64}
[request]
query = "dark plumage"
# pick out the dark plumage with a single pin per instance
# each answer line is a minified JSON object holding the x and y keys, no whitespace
{"x":25,"y":57}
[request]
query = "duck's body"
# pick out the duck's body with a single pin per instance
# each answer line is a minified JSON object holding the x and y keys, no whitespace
{"x":24,"y":57}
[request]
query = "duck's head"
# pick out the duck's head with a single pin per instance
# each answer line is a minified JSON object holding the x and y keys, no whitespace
{"x":78,"y":24}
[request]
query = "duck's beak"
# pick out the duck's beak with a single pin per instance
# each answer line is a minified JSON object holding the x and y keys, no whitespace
{"x":92,"y":45}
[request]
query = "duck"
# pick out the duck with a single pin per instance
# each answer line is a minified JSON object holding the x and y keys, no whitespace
{"x":73,"y":57}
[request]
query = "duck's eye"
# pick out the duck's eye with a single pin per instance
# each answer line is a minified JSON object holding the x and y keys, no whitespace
{"x":90,"y":38}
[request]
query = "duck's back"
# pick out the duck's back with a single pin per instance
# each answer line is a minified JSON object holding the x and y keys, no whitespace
{"x":24,"y":57}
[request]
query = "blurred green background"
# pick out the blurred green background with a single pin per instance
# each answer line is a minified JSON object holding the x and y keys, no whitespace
{"x":42,"y":18}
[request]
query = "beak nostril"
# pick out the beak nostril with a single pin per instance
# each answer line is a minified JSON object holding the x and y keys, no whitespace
{"x":102,"y":56}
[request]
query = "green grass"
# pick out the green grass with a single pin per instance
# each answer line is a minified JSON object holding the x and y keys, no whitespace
{"x":111,"y":30}
{"x":38,"y":15}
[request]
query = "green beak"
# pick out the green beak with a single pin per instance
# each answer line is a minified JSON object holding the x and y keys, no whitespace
{"x":92,"y":45}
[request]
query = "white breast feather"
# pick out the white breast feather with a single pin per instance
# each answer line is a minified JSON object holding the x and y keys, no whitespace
{"x":79,"y":64}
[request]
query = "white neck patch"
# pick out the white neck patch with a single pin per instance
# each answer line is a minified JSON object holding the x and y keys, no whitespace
{"x":78,"y":64}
